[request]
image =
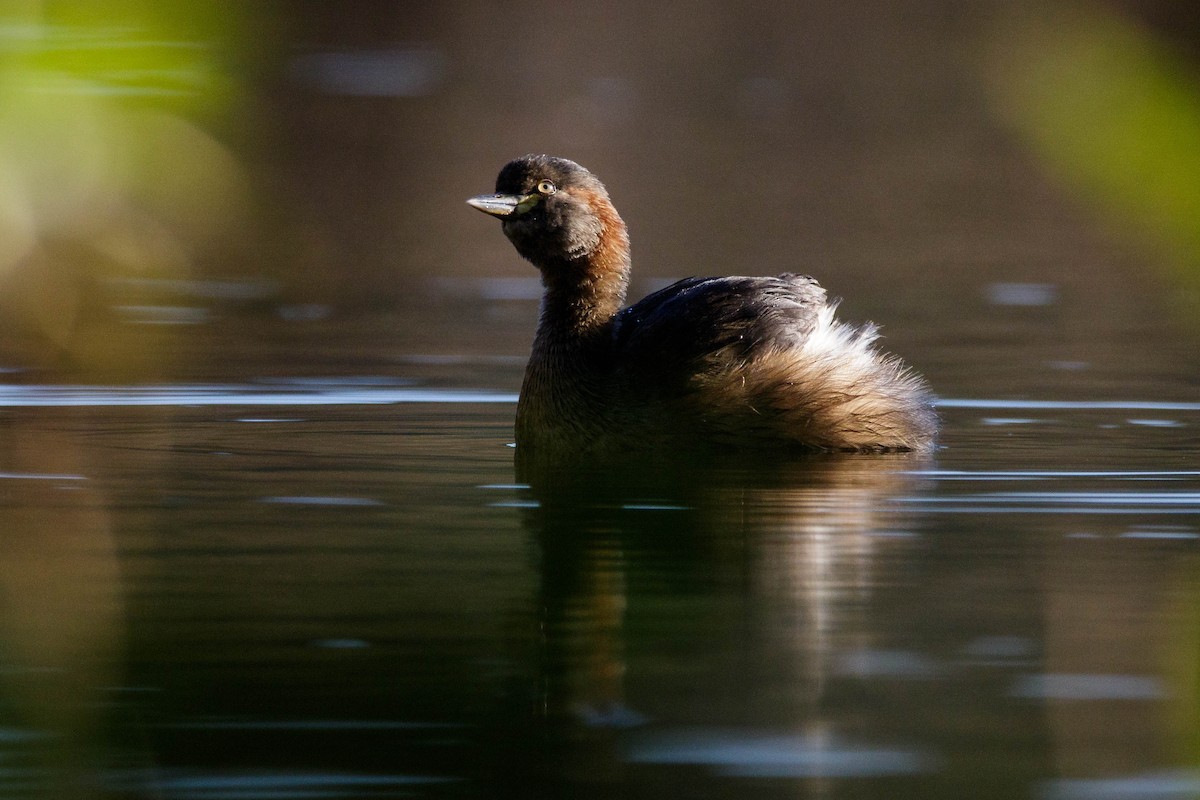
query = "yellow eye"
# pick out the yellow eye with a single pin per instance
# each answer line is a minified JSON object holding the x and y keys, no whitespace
{"x":546,"y":187}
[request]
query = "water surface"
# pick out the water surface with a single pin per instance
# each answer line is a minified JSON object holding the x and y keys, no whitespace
{"x":339,"y":586}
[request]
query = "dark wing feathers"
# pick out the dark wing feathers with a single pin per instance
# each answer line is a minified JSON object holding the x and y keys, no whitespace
{"x":671,"y":331}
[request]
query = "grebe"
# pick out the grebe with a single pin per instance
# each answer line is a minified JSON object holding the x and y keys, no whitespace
{"x":746,"y":362}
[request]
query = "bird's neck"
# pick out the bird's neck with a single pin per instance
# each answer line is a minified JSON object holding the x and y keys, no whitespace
{"x":565,"y":391}
{"x":583,"y":294}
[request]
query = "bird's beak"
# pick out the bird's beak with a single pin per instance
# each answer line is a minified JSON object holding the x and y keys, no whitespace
{"x":504,"y":205}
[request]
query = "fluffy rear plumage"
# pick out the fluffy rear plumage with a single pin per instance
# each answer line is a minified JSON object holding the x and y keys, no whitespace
{"x":833,"y":391}
{"x":754,"y":361}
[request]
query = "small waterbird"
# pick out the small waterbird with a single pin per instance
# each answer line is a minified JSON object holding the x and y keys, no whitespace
{"x":744,"y":362}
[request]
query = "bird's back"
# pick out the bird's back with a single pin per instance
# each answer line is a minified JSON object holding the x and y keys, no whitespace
{"x":678,"y":329}
{"x":759,"y":361}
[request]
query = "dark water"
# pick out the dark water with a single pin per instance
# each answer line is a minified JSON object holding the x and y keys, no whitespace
{"x":339,"y":587}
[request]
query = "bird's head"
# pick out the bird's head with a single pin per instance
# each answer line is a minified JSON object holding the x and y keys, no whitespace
{"x":552,"y":210}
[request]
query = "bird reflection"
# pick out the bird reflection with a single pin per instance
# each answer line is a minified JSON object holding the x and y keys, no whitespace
{"x":767,"y":565}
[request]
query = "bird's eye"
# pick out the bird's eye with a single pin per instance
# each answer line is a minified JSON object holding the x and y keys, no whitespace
{"x":546,"y":187}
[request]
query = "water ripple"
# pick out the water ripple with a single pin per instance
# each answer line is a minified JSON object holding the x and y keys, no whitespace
{"x":1174,"y":785}
{"x":1068,"y":405}
{"x":1038,"y":474}
{"x":301,"y":394}
{"x":1082,"y":687}
{"x":228,"y":786}
{"x":339,"y":391}
{"x":1180,"y":502}
{"x":761,"y":755}
{"x":1182,"y":499}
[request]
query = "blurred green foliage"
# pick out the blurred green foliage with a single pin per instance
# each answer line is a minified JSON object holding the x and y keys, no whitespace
{"x":1115,"y":110}
{"x":169,"y":53}
{"x":106,"y":167}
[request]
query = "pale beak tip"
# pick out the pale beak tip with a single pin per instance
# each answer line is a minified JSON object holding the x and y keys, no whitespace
{"x":497,"y":205}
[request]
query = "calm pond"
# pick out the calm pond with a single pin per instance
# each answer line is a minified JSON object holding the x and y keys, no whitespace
{"x":337,"y":586}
